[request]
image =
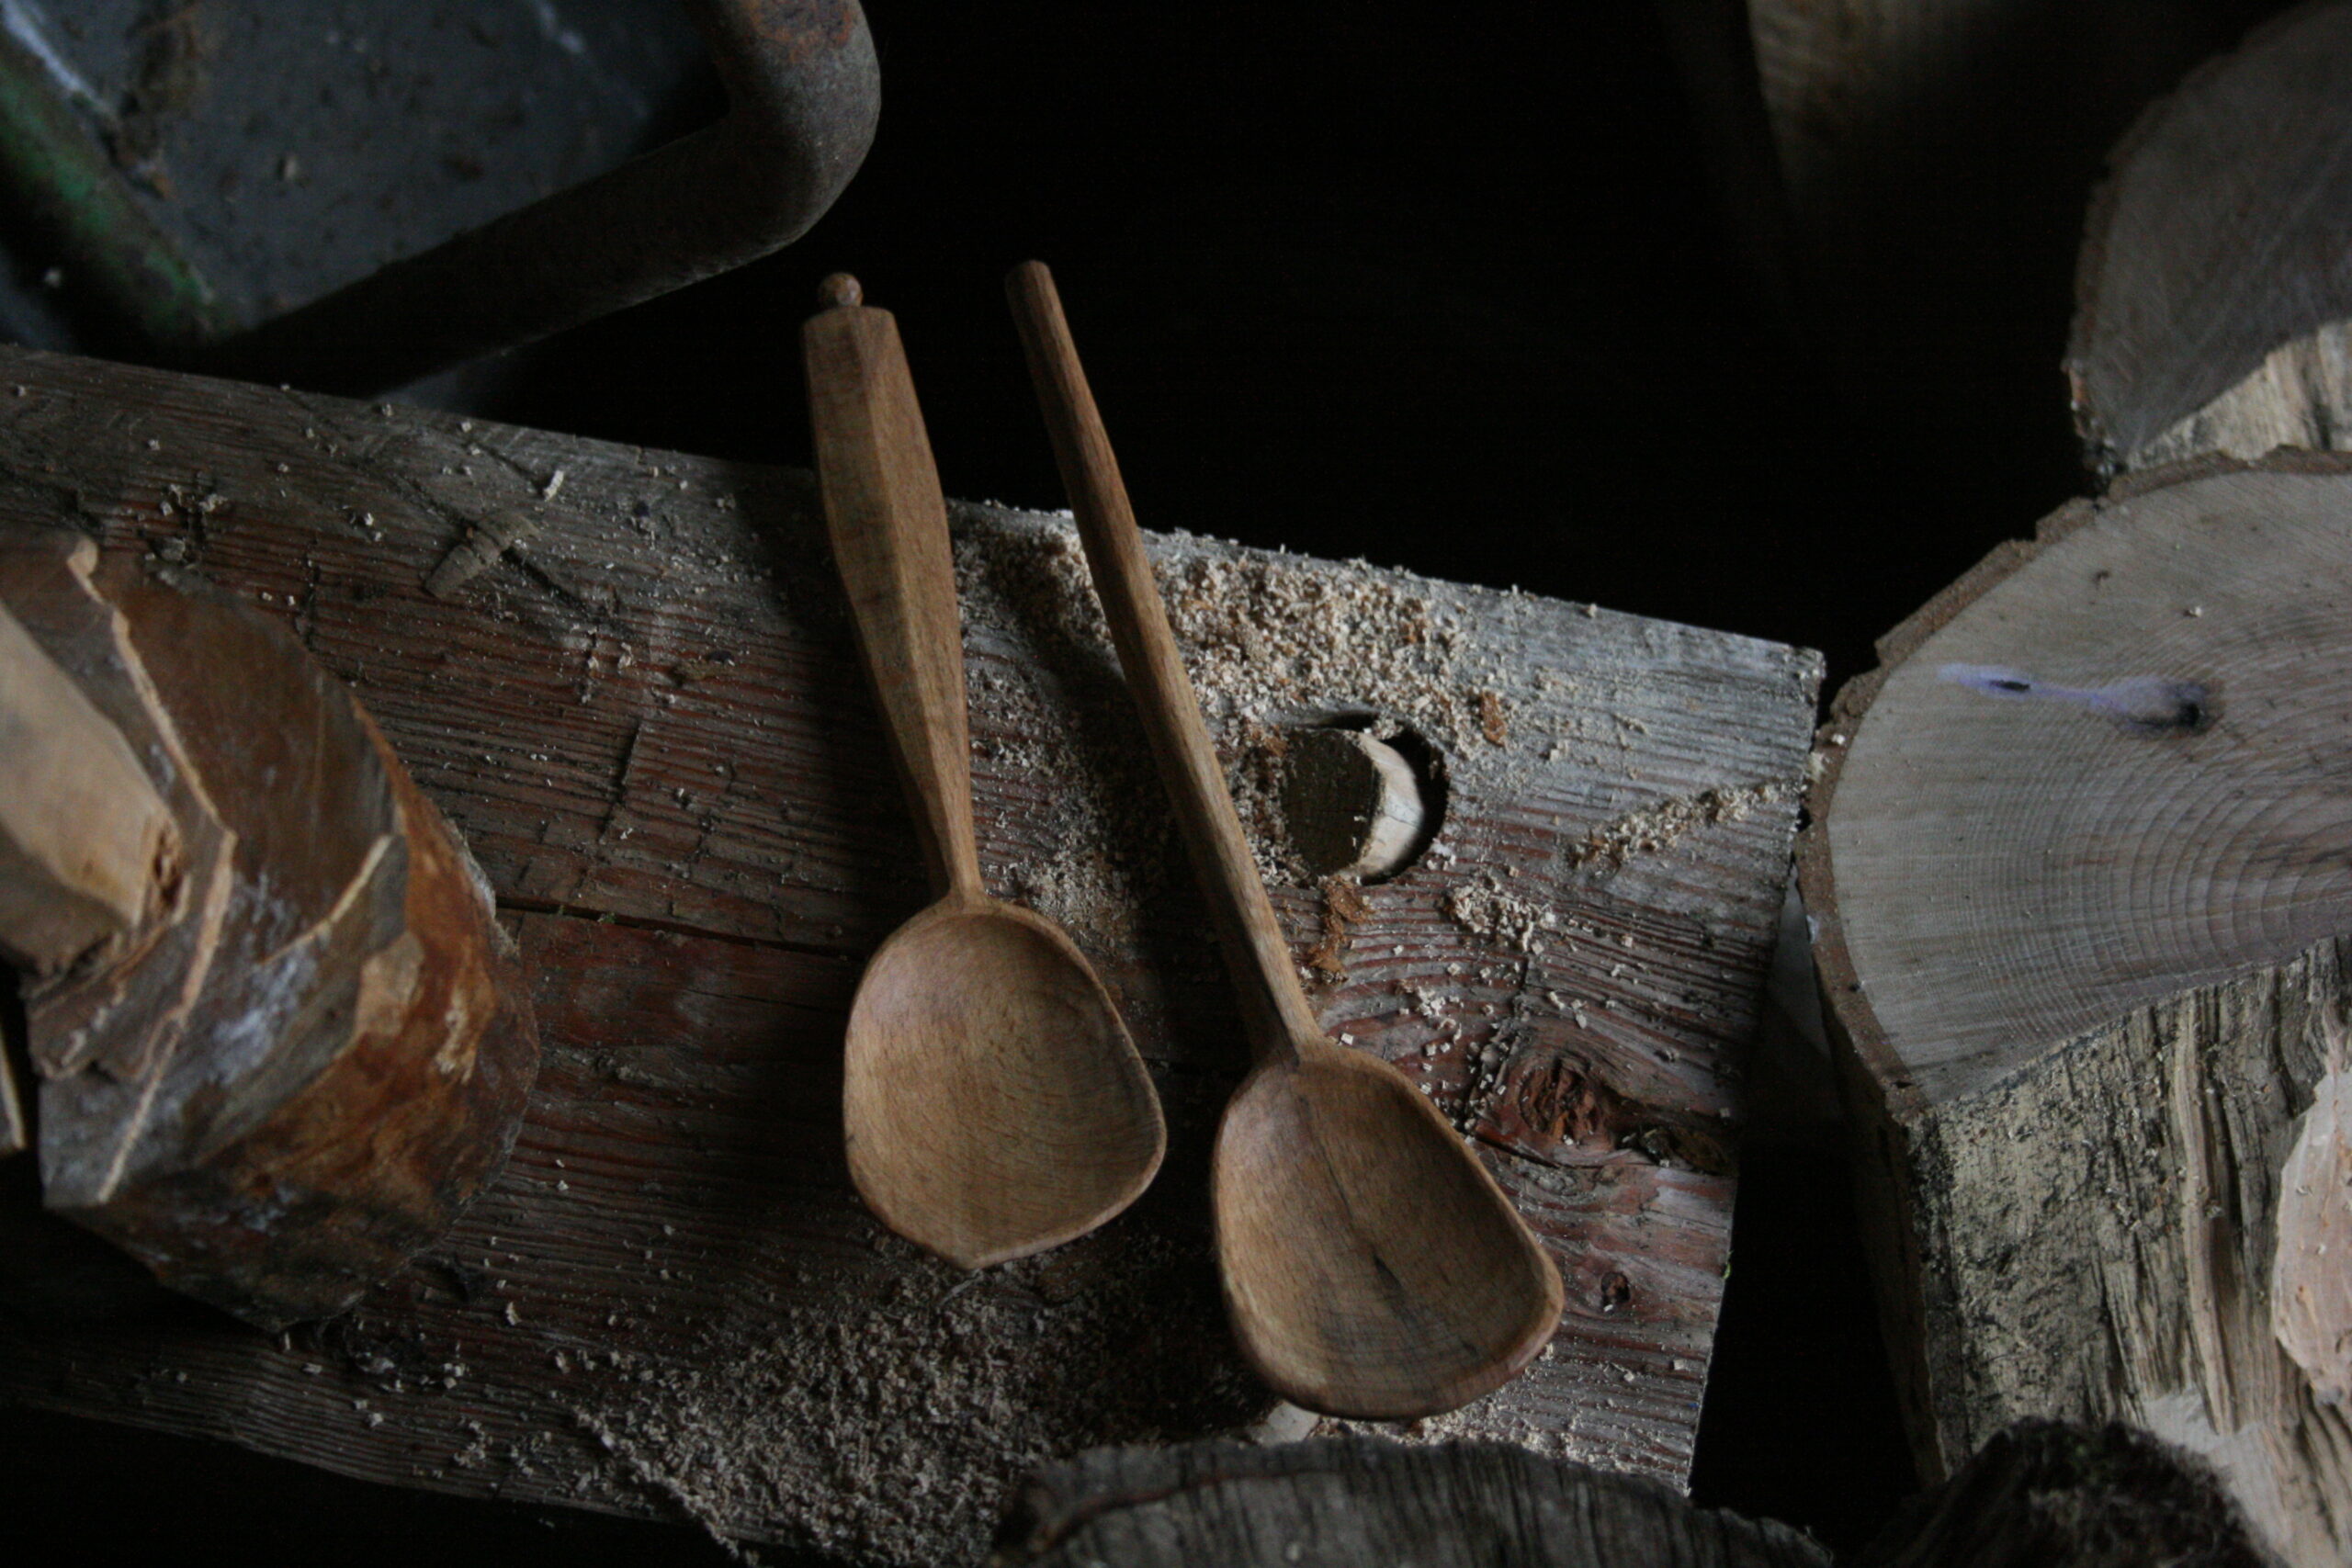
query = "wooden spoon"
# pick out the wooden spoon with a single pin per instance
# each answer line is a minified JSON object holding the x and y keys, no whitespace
{"x":994,"y":1104}
{"x":1373,"y":1269}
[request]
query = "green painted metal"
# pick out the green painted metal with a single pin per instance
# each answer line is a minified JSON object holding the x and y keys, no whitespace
{"x":113,"y":256}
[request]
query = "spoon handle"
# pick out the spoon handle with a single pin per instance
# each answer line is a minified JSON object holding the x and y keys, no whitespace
{"x":888,"y":524}
{"x":1273,"y":1007}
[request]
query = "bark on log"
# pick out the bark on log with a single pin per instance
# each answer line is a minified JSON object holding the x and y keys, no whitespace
{"x":2216,"y":268}
{"x":2038,"y":1493}
{"x":2047,"y":1491}
{"x":1344,"y":1502}
{"x":2081,"y":875}
{"x":646,"y":717}
{"x":276,"y":1088}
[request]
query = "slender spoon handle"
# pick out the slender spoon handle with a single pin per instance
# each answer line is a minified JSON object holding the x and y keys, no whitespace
{"x":888,"y":524}
{"x":1273,"y":1007}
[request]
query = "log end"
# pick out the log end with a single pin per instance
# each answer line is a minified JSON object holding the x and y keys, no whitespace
{"x":322,"y":1057}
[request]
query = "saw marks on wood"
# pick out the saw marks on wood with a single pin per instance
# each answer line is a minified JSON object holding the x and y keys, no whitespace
{"x":648,"y":721}
{"x":2120,"y":773}
{"x":2081,"y":883}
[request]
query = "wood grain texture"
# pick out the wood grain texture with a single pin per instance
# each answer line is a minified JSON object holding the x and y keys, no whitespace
{"x":316,"y":1052}
{"x":648,"y":728}
{"x":1371,"y":1264}
{"x":87,"y":847}
{"x":124,"y":1015}
{"x":2216,"y":266}
{"x":993,"y":1103}
{"x":1337,"y":1503}
{"x":2079,"y":882}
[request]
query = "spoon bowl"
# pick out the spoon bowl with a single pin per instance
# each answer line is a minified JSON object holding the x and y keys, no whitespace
{"x":994,"y":1102}
{"x":1372,"y":1267}
{"x":1365,"y":1254}
{"x":993,"y":1105}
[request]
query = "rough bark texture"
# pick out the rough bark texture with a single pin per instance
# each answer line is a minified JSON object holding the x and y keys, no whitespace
{"x":2216,"y":266}
{"x":646,"y":718}
{"x":1339,"y":1503}
{"x":2044,"y":1491}
{"x":293,"y":1073}
{"x":2078,"y":884}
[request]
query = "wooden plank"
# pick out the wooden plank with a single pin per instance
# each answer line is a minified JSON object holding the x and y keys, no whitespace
{"x":647,"y":722}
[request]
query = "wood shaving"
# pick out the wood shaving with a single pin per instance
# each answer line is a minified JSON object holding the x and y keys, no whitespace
{"x":1657,"y":828}
{"x":1268,"y":641}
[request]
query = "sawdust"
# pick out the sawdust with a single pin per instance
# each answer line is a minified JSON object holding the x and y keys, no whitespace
{"x":1493,"y":721}
{"x":1522,"y":925}
{"x":1343,"y":906}
{"x":1655,"y":829}
{"x":894,"y":1431}
{"x":1047,"y":703}
{"x":1269,"y":642}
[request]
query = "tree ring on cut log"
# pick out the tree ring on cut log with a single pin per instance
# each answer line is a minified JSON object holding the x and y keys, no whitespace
{"x":331,"y":1046}
{"x":2081,"y":878}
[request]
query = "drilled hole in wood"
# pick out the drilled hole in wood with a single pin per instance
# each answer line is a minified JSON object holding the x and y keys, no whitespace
{"x":1363,"y":797}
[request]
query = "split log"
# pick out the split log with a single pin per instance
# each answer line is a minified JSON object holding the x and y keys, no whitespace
{"x":645,"y":715}
{"x":87,"y":848}
{"x":301,"y":1047}
{"x":1342,"y":1501}
{"x":2216,"y":268}
{"x":2081,"y":877}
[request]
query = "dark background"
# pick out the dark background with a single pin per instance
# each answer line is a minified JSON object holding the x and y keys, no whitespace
{"x":1445,"y":287}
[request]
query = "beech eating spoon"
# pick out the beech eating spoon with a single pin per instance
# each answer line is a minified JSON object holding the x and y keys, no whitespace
{"x":1372,"y":1267}
{"x":993,"y":1103}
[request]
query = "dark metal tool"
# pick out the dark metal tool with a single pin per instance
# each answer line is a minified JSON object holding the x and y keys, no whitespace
{"x":803,"y":94}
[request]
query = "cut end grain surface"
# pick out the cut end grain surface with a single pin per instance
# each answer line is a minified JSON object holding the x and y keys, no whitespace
{"x":2081,"y":880}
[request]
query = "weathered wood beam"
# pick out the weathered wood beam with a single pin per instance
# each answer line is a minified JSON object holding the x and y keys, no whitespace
{"x":646,"y":718}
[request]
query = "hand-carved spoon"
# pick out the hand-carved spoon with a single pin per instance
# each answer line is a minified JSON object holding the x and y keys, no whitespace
{"x":994,"y":1104}
{"x":1373,"y":1269}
